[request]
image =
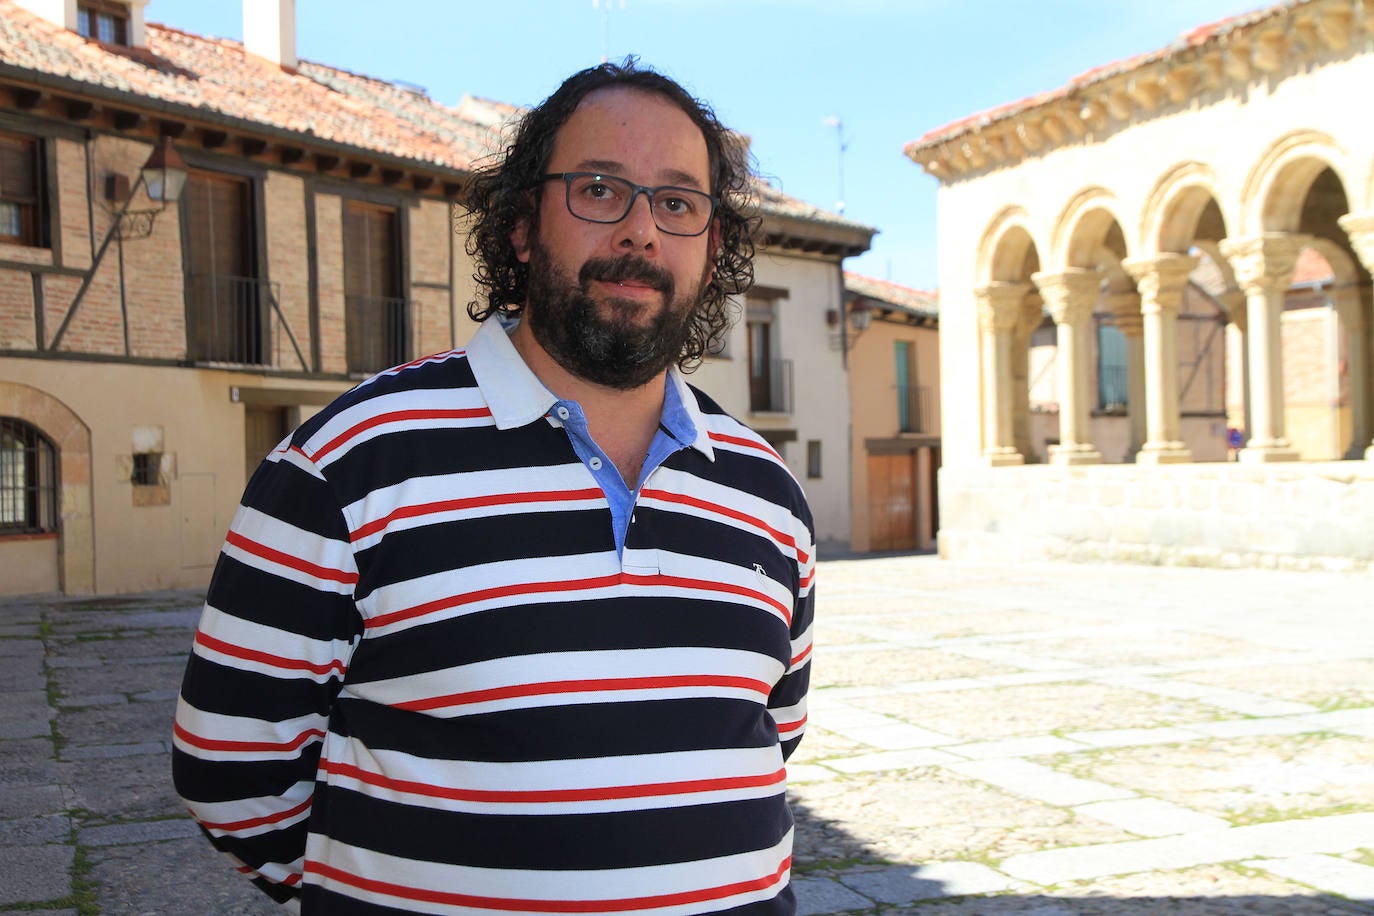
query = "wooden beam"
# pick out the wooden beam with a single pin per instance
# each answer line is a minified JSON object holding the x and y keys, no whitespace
{"x":290,"y":155}
{"x":392,"y":176}
{"x":173,"y":129}
{"x":28,"y":99}
{"x":422,"y":182}
{"x":213,"y":139}
{"x":253,"y":146}
{"x":325,"y":162}
{"x":359,"y":169}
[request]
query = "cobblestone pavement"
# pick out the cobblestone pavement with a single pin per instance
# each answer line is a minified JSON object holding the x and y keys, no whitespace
{"x":1050,"y":740}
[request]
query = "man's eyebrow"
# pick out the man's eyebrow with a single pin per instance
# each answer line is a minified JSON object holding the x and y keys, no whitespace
{"x":673,"y":177}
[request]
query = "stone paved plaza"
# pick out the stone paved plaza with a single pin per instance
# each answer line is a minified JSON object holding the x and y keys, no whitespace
{"x":1051,"y":740}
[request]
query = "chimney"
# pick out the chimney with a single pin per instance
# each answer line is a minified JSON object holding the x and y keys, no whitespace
{"x":269,"y":30}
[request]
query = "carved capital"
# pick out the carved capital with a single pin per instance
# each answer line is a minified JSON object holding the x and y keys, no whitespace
{"x":1233,"y":301}
{"x":1069,"y":296}
{"x":1161,"y":280}
{"x":1263,"y":263}
{"x":1360,"y":228}
{"x":999,"y":305}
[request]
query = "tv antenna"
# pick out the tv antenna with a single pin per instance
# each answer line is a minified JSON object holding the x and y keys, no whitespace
{"x":835,"y":122}
{"x":605,"y":6}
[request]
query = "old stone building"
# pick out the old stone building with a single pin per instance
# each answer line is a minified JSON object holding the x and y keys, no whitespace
{"x":156,"y":342}
{"x":1119,"y":315}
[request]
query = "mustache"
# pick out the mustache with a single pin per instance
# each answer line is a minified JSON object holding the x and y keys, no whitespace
{"x":615,"y":270}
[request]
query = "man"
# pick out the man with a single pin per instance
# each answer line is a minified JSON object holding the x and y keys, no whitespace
{"x":525,"y":627}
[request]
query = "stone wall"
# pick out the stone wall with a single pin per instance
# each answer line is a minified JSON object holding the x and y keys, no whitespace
{"x":1282,"y":515}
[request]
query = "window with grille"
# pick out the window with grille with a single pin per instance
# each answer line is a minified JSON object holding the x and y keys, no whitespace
{"x":28,"y":479}
{"x":20,"y":190}
{"x":104,"y":21}
{"x":813,"y":458}
{"x":225,"y":301}
{"x":375,"y":310}
{"x":1111,"y":367}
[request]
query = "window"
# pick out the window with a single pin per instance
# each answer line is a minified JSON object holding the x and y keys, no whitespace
{"x":813,"y":458}
{"x":104,"y":21}
{"x":28,"y":479}
{"x":225,"y":302}
{"x":1111,"y":367}
{"x":20,"y":184}
{"x":374,"y":309}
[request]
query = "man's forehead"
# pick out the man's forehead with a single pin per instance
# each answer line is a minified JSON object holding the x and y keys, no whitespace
{"x":629,"y":108}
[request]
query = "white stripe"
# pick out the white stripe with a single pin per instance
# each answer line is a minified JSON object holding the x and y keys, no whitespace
{"x":554,"y":667}
{"x":421,"y":491}
{"x":256,"y":637}
{"x":297,"y":543}
{"x":454,"y":399}
{"x":247,"y":809}
{"x":527,"y":884}
{"x":606,"y":773}
{"x":218,"y":727}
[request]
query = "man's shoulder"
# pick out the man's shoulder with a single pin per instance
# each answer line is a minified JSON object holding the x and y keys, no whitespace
{"x":411,"y":390}
{"x":729,"y":435}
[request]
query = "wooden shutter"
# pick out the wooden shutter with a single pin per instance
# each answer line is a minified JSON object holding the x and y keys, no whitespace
{"x":218,"y":223}
{"x":374,"y":321}
{"x":19,"y":185}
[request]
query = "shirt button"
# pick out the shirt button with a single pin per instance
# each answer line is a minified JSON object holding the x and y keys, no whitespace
{"x":595,"y":464}
{"x":562,"y":412}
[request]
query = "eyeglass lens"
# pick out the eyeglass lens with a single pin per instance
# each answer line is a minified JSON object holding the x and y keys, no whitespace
{"x":607,"y":199}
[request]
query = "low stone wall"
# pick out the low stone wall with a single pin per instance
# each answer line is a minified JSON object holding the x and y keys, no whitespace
{"x":1297,"y":515}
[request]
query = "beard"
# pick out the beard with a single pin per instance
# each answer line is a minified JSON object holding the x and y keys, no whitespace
{"x":613,"y":350}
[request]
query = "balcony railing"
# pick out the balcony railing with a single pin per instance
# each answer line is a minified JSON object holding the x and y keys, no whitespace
{"x":770,"y":387}
{"x":227,"y":319}
{"x":376,"y":332}
{"x":915,"y":409}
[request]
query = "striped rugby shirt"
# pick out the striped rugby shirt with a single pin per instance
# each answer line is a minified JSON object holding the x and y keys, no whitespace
{"x":425,"y":680}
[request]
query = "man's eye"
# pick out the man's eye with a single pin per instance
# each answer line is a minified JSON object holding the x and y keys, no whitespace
{"x":675,"y":204}
{"x":598,"y":190}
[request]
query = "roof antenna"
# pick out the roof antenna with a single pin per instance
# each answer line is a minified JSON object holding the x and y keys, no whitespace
{"x":605,"y":7}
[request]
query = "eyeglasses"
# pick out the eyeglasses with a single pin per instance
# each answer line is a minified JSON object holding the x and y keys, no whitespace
{"x":601,"y":198}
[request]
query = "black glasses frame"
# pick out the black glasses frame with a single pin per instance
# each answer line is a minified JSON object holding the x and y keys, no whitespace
{"x":635,"y":190}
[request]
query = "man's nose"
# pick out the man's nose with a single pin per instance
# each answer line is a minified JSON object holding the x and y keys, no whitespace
{"x":638,"y":229}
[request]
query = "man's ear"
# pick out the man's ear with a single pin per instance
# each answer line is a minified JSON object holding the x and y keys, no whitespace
{"x":520,"y":239}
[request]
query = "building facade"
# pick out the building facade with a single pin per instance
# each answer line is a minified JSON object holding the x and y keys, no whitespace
{"x":891,"y":335}
{"x":152,"y":351}
{"x":1169,"y":197}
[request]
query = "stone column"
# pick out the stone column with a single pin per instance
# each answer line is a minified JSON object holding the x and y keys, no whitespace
{"x":1125,"y":309}
{"x":1070,"y":297}
{"x":1360,"y":228}
{"x":1233,"y":300}
{"x":1264,"y":267}
{"x":999,"y":307}
{"x":1161,"y":281}
{"x":1032,"y":313}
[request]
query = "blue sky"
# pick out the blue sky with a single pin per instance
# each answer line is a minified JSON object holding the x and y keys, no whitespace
{"x":776,"y":70}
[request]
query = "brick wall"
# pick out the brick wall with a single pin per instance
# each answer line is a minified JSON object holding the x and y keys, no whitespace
{"x":288,"y":266}
{"x":329,"y":265}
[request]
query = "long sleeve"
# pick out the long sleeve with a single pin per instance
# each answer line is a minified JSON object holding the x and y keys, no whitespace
{"x":274,"y":642}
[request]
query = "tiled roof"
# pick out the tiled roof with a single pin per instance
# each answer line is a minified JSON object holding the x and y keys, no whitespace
{"x":215,"y":79}
{"x":917,"y":302}
{"x":1189,"y":40}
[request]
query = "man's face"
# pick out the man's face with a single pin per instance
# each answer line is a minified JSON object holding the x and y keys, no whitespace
{"x":611,"y":302}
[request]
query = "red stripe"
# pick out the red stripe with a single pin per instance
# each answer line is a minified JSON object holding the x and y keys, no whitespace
{"x":500,"y":591}
{"x":286,"y":559}
{"x":259,"y":821}
{"x":212,"y":744}
{"x":266,"y":658}
{"x":514,"y":904}
{"x":747,"y":443}
{"x":790,"y":727}
{"x":546,"y":796}
{"x":701,"y":585}
{"x":546,"y":688}
{"x":806,"y":653}
{"x":399,"y":416}
{"x":685,"y":500}
{"x":473,"y":502}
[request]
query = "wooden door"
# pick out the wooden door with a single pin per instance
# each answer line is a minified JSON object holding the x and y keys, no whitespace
{"x":892,"y":501}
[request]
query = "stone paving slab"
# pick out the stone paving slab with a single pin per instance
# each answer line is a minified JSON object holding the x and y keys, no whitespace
{"x":1051,"y":740}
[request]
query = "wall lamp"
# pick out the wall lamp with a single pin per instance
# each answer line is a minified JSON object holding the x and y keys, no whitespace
{"x":163,"y":177}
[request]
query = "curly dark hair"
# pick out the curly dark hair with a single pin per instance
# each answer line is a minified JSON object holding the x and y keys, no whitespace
{"x":507,"y":189}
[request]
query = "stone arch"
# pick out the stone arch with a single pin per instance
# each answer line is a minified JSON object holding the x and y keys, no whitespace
{"x":72,"y":438}
{"x":1275,"y":190}
{"x":1007,"y":244}
{"x":1169,"y":220}
{"x":1084,"y":227}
